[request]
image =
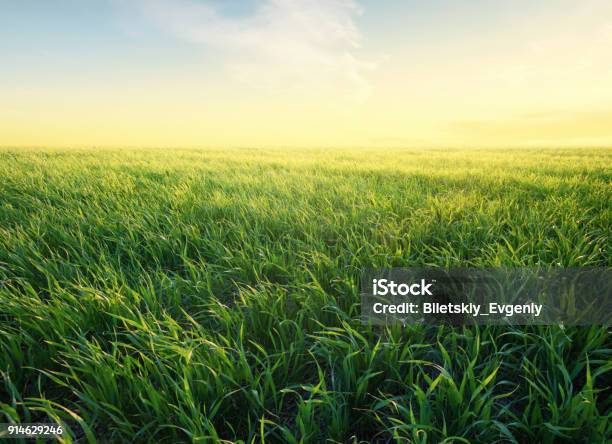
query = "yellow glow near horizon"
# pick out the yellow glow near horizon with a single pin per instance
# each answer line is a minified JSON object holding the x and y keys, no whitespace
{"x":540,"y":82}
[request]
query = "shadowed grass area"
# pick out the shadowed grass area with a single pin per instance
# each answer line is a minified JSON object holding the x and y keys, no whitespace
{"x":202,"y":295}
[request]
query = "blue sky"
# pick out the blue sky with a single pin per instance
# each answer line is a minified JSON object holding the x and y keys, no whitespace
{"x":343,"y":72}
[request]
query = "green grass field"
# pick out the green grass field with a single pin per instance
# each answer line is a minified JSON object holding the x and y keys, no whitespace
{"x":200,"y":295}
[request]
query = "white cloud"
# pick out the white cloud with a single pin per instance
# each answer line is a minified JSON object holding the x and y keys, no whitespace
{"x":283,"y":46}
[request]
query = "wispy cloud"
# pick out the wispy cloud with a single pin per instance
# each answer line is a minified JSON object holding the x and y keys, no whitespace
{"x":304,"y":46}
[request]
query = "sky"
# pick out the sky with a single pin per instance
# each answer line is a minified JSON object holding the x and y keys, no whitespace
{"x":300,"y":73}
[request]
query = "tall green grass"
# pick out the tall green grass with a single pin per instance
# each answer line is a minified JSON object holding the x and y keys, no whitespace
{"x":212,"y":295}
